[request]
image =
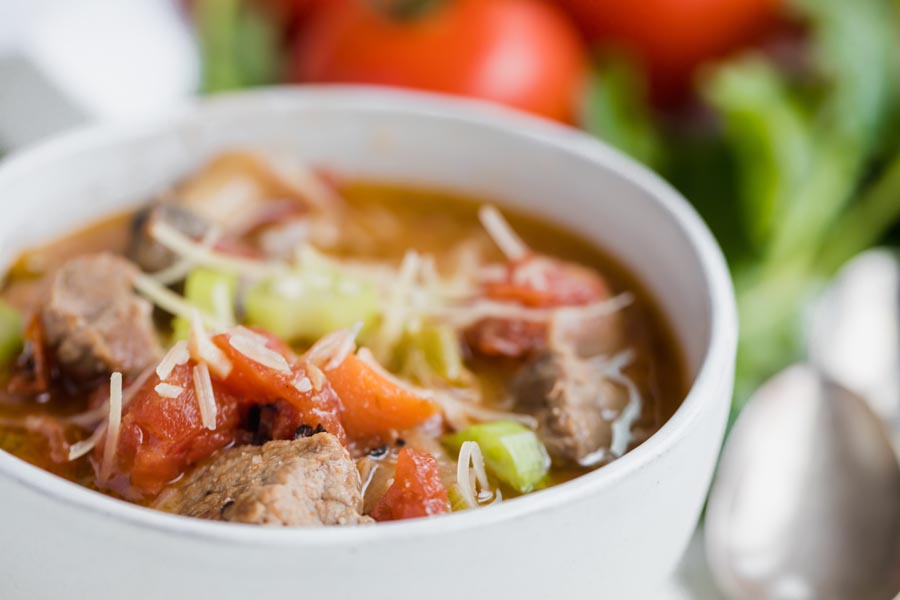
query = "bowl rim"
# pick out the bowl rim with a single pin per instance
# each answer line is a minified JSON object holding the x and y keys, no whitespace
{"x":716,"y":364}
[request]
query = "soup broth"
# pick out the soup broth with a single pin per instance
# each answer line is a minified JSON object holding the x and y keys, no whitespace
{"x":428,"y":330}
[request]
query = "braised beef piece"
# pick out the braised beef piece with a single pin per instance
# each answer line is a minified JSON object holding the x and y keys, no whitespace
{"x":569,"y":400}
{"x":147,"y":252}
{"x":93,"y":321}
{"x":309,"y":481}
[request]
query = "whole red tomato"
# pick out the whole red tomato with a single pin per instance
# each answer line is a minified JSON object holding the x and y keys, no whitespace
{"x":672,"y":37}
{"x":523,"y":53}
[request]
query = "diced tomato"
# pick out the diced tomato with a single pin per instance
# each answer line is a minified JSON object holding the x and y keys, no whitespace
{"x":375,"y":406}
{"x":161,"y":437}
{"x":542,"y":282}
{"x":417,"y":490}
{"x":258,"y":384}
{"x":535,"y":281}
{"x":509,"y":338}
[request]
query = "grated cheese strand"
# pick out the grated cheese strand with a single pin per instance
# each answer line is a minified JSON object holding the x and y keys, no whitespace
{"x":206,"y":399}
{"x":175,"y":357}
{"x":79,"y":449}
{"x":302,"y":384}
{"x":396,"y":309}
{"x":182,"y":267}
{"x":112,"y":426}
{"x":316,"y":376}
{"x":471,"y":475}
{"x":167,"y":390}
{"x":174,"y":240}
{"x":259,"y":353}
{"x":331,"y":350}
{"x":169,"y":301}
{"x":502,"y":233}
{"x":203,"y":349}
{"x":93,"y":416}
{"x":465,"y":315}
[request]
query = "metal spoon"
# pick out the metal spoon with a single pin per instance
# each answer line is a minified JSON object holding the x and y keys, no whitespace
{"x":806,"y":503}
{"x":854,"y":332}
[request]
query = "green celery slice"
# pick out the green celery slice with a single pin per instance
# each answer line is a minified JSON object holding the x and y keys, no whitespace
{"x":211,"y":292}
{"x":11,"y":328}
{"x":512,"y":452}
{"x":310,"y":304}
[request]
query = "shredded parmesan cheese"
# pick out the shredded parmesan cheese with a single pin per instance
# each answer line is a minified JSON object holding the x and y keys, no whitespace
{"x":396,"y":309}
{"x":169,"y":301}
{"x":205,"y":396}
{"x":503,"y":235}
{"x":176,"y":356}
{"x":112,"y":426}
{"x":167,"y":390}
{"x":259,"y":353}
{"x":472,"y":481}
{"x":79,"y":449}
{"x":302,"y":384}
{"x":182,"y":267}
{"x":316,"y":376}
{"x":203,"y":349}
{"x":249,"y":333}
{"x":198,"y":254}
{"x":90,"y":418}
{"x":331,"y":350}
{"x":465,"y":315}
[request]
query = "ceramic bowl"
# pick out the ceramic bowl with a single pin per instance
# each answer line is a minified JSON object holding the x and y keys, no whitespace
{"x":614,"y":533}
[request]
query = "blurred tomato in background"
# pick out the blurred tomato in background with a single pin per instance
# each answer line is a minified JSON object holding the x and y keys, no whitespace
{"x":534,"y":55}
{"x":671,"y":38}
{"x":523,"y":53}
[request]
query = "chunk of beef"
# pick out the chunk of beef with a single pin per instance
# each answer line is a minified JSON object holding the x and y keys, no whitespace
{"x":304,"y":482}
{"x":93,"y":321}
{"x":573,"y":403}
{"x":147,"y":252}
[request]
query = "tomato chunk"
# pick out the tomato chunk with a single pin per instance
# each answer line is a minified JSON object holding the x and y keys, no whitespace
{"x":314,"y":401}
{"x":161,"y":437}
{"x":535,"y":281}
{"x":542,"y":282}
{"x":417,"y":490}
{"x":374,"y":405}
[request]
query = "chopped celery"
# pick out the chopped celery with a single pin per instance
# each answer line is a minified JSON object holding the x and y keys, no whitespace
{"x":11,"y":326}
{"x":212,"y":292}
{"x":457,"y":503}
{"x":440,"y":347}
{"x":512,"y":452}
{"x":310,"y":304}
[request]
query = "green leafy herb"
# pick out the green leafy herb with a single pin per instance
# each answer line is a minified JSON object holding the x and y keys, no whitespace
{"x":616,"y":110}
{"x":240,"y":45}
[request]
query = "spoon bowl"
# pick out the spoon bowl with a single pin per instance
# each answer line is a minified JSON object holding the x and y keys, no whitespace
{"x":806,"y":503}
{"x":854,"y":332}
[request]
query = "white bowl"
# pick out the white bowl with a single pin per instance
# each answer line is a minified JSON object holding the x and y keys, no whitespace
{"x":614,"y":533}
